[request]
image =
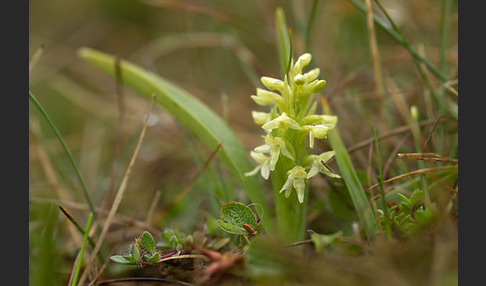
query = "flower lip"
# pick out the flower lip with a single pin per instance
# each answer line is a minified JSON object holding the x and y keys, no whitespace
{"x":317,"y":165}
{"x":295,"y":179}
{"x":282,"y":122}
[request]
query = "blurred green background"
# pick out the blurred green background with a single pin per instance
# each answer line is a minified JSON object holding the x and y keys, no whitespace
{"x":216,"y":50}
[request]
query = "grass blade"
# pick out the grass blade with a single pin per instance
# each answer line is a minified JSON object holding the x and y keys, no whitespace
{"x":192,"y":113}
{"x":356,"y":191}
{"x":66,"y":149}
{"x":382,"y":189}
{"x":283,"y":40}
{"x":81,"y":252}
{"x":399,"y":38}
{"x":310,"y":24}
{"x":76,"y":224}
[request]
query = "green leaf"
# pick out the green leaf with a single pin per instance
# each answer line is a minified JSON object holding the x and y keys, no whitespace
{"x":218,"y":243}
{"x":234,"y":215}
{"x":173,"y":241}
{"x":348,"y":173}
{"x":322,"y":240}
{"x":136,"y":253}
{"x":283,"y":40}
{"x":152,"y":258}
{"x":122,"y":259}
{"x":147,"y":242}
{"x":424,"y":217}
{"x":238,"y":214}
{"x":231,"y":228}
{"x":192,"y":113}
{"x":166,"y":236}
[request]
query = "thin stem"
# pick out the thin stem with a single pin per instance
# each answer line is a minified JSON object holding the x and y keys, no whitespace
{"x":444,"y":29}
{"x":120,"y":192}
{"x":382,"y":190}
{"x":416,"y":136}
{"x":374,"y":49}
{"x":81,"y":252}
{"x":312,"y":17}
{"x":409,"y":48}
{"x":416,"y":172}
{"x":76,"y":224}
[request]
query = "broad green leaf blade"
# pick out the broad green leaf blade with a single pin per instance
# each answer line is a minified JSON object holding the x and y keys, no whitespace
{"x":237,"y":214}
{"x":192,"y":113}
{"x":147,"y":241}
{"x":348,"y":173}
{"x":231,"y":228}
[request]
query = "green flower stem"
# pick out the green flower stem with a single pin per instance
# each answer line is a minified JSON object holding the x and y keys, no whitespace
{"x":291,"y":216}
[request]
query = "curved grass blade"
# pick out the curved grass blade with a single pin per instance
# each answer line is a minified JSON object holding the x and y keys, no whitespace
{"x":192,"y":113}
{"x":283,"y":40}
{"x":310,"y":24}
{"x":356,"y":191}
{"x":66,"y":149}
{"x":81,"y":252}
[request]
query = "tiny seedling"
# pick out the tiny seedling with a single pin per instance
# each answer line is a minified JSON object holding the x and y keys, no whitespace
{"x":410,"y":214}
{"x":142,"y":252}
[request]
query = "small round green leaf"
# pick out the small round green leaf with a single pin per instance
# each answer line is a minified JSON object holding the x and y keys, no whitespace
{"x":237,"y":214}
{"x":147,"y":242}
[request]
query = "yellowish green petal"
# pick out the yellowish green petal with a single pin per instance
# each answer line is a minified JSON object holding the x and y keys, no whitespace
{"x":282,"y":122}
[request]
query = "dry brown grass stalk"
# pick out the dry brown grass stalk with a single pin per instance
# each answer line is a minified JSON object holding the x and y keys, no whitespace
{"x":118,"y":197}
{"x":416,"y":172}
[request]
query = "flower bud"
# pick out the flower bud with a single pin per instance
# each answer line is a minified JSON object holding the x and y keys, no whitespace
{"x":314,"y":86}
{"x":261,"y":117}
{"x":299,"y":79}
{"x":272,"y":83}
{"x":265,"y":97}
{"x":312,"y":75}
{"x":303,"y":61}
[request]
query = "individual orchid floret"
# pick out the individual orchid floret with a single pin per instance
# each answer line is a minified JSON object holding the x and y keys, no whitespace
{"x":317,"y":165}
{"x":265,"y":97}
{"x":296,"y":179}
{"x":277,"y":145}
{"x":282,"y":122}
{"x":261,"y":117}
{"x":316,"y":131}
{"x":263,"y":165}
{"x":328,"y":120}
